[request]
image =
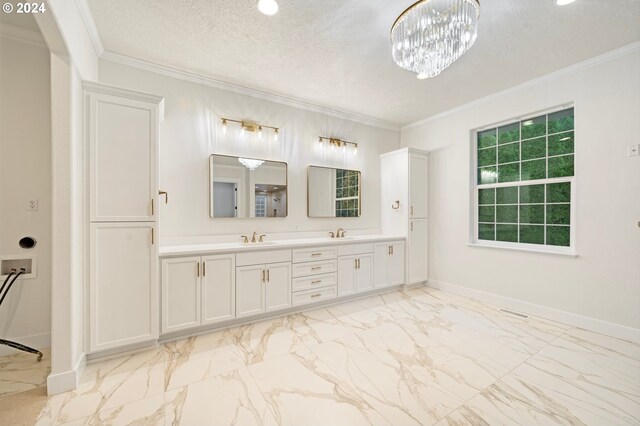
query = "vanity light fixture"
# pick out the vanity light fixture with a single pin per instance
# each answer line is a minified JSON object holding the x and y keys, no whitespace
{"x":250,"y":126}
{"x":337,"y":143}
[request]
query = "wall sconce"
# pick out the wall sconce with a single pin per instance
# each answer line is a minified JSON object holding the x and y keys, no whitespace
{"x":337,"y":143}
{"x":250,"y":126}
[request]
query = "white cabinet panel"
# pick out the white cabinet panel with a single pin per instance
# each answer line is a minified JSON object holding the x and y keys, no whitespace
{"x":418,"y":186}
{"x":180,"y":293}
{"x":314,"y":281}
{"x":396,"y":264}
{"x":346,"y":275}
{"x":314,"y":296}
{"x":364,"y":273}
{"x":122,"y":150}
{"x":381,"y":265}
{"x":218,"y":288}
{"x":314,"y":253}
{"x":278,"y":287}
{"x":263,"y":257}
{"x":122,"y":291}
{"x":250,"y":281}
{"x":417,"y":251}
{"x":313,"y":268}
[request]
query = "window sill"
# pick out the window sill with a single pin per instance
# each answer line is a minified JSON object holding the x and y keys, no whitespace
{"x":567,"y":252}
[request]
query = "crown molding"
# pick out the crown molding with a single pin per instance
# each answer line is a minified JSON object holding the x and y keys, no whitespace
{"x":21,"y":34}
{"x":90,"y":25}
{"x":572,"y":69}
{"x":236,"y":88}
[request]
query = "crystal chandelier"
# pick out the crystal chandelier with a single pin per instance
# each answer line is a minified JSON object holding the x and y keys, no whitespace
{"x":431,"y":34}
{"x":250,"y":163}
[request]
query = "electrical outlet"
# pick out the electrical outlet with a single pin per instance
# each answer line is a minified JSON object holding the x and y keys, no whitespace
{"x":32,"y":205}
{"x":634,"y":150}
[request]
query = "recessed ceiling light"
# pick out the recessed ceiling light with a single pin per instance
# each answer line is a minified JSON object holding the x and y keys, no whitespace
{"x":563,"y":2}
{"x":268,"y":7}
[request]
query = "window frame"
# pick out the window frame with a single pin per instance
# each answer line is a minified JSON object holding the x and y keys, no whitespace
{"x":475,"y":187}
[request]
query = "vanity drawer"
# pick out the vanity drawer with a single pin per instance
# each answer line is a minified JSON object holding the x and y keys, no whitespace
{"x":350,"y":249}
{"x":314,"y":296}
{"x":317,"y":253}
{"x":316,"y":281}
{"x":262,"y":257}
{"x":314,"y":268}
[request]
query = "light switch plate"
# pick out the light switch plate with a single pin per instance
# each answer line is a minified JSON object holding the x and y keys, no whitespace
{"x":634,"y":150}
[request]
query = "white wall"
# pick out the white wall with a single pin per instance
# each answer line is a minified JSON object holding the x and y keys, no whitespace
{"x":603,"y":282}
{"x":191,"y":132}
{"x":73,"y":59}
{"x":25,"y":173}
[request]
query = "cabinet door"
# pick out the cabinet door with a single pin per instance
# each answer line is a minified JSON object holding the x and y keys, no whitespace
{"x":364,"y":273}
{"x":218,"y":288}
{"x":123,"y":155}
{"x":381,"y":254}
{"x":417,"y":186}
{"x":278,"y":286}
{"x":123,"y":285}
{"x":180,"y":293}
{"x":250,"y":290}
{"x":396,"y":264}
{"x":417,"y":251}
{"x":346,"y":275}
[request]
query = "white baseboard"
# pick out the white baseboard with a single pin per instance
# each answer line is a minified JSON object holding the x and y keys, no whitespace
{"x":568,"y":318}
{"x":36,"y":341}
{"x":67,"y":381}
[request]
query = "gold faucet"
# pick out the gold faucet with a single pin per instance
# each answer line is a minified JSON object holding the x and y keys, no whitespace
{"x":253,"y":238}
{"x":340,"y":233}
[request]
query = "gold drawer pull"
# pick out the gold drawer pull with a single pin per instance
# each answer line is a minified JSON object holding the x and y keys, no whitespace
{"x":316,"y":254}
{"x":316,"y":295}
{"x":315,"y":268}
{"x":316,"y":282}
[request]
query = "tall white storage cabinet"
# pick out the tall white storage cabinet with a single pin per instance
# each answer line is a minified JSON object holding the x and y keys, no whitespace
{"x":404,"y":210}
{"x":121,"y":130}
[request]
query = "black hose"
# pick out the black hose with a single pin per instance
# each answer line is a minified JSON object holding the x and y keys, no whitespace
{"x":13,"y":271}
{"x":22,"y":271}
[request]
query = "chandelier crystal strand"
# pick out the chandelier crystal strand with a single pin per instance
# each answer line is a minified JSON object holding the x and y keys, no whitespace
{"x":432,"y":34}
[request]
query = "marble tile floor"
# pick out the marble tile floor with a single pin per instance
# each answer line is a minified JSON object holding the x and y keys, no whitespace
{"x":411,"y":357}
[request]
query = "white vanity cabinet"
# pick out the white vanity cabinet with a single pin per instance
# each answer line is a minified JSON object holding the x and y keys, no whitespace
{"x":355,"y":268}
{"x":197,"y":291}
{"x":404,"y":206}
{"x":389,"y":264}
{"x":121,"y":137}
{"x":263,"y":287}
{"x":122,"y":282}
{"x":315,"y":277}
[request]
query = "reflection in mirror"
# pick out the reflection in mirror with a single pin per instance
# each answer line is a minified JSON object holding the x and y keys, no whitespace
{"x":333,"y":192}
{"x":246,"y":187}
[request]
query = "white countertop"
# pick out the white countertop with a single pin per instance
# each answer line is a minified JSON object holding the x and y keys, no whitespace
{"x":197,"y":249}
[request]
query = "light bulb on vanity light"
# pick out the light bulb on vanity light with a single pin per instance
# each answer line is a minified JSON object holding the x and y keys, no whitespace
{"x":355,"y":149}
{"x":268,"y":7}
{"x":224,"y":126}
{"x":260,"y":132}
{"x":275,"y":135}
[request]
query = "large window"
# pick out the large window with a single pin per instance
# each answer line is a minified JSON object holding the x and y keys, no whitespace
{"x":524,"y":176}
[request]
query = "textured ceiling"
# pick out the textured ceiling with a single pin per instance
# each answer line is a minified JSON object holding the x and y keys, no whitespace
{"x":336,"y":53}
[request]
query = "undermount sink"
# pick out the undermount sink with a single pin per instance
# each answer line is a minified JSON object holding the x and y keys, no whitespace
{"x":263,"y":243}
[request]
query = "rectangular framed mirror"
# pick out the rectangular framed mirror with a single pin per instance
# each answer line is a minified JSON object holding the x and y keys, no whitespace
{"x":333,"y":192}
{"x":247,"y":187}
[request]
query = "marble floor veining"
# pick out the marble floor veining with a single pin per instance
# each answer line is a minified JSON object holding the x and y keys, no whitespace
{"x":412,"y":357}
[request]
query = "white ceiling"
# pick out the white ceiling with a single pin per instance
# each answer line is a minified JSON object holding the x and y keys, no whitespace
{"x":336,"y":53}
